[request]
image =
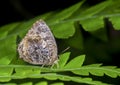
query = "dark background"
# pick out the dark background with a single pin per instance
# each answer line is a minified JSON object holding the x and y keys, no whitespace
{"x":18,"y":10}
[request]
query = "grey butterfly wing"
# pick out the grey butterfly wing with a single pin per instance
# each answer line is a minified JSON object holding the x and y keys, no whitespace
{"x":39,"y":45}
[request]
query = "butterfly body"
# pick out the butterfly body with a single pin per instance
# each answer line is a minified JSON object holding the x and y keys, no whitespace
{"x":39,"y":45}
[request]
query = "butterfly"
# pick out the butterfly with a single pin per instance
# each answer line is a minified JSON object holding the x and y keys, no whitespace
{"x":38,"y":46}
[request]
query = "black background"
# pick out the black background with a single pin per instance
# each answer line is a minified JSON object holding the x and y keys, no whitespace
{"x":18,"y":10}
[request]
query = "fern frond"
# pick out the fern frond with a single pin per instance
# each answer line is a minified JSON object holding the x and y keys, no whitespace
{"x":75,"y":66}
{"x":90,"y":18}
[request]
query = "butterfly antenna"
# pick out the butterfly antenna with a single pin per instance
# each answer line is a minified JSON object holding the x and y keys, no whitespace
{"x":65,"y":50}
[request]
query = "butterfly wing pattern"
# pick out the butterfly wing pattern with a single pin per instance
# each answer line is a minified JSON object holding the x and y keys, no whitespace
{"x":38,"y":46}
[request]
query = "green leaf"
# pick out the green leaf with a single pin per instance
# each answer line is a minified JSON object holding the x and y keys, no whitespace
{"x":94,"y":65}
{"x":95,"y":69}
{"x":63,"y":59}
{"x":63,"y":30}
{"x":34,"y":72}
{"x":50,"y":76}
{"x":25,"y":72}
{"x":9,"y":84}
{"x":95,"y":9}
{"x":68,"y":78}
{"x":115,"y":22}
{"x":76,"y":41}
{"x":92,"y":24}
{"x":5,"y":72}
{"x":114,"y":8}
{"x":4,"y":30}
{"x":42,"y":83}
{"x":76,"y":62}
{"x":27,"y":83}
{"x":61,"y":15}
{"x":7,"y":50}
{"x":44,"y":16}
